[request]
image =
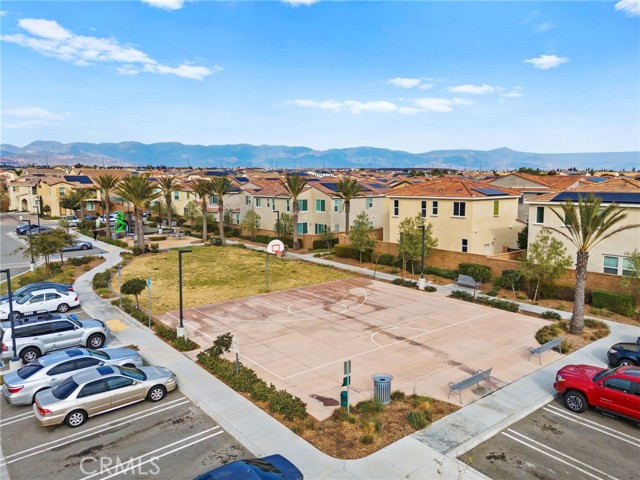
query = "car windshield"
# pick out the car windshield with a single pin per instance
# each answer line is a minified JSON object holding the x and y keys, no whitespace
{"x":99,"y":353}
{"x":65,"y":389}
{"x":23,"y":300}
{"x":29,"y":369}
{"x":75,"y":322}
{"x":264,"y":469}
{"x":604,"y":373}
{"x":133,"y":373}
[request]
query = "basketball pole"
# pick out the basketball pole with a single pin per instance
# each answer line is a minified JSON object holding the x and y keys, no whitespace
{"x":267,"y":270}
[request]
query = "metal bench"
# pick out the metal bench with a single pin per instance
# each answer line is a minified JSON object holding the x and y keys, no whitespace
{"x":537,"y":352}
{"x":473,"y":380}
{"x":467,"y":281}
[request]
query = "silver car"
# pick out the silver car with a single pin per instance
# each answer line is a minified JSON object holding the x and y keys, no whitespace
{"x":21,"y":386}
{"x":100,"y":390}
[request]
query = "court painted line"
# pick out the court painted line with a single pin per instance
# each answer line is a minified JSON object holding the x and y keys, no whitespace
{"x":556,"y":456}
{"x":15,"y":457}
{"x":317,"y":307}
{"x":133,"y":463}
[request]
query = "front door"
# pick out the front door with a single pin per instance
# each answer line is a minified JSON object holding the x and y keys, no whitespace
{"x":64,"y":334}
{"x":124,"y":391}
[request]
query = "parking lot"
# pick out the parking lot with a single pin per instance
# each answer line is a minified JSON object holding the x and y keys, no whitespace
{"x":554,"y":443}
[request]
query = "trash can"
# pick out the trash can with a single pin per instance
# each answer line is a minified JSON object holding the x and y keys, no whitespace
{"x":344,"y":399}
{"x":382,"y":387}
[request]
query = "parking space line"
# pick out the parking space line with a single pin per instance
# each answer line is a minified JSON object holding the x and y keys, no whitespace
{"x":635,"y":442}
{"x":10,"y":420}
{"x":91,"y":431}
{"x":552,"y":456}
{"x":586,"y":420}
{"x":560,"y":453}
{"x":133,"y":462}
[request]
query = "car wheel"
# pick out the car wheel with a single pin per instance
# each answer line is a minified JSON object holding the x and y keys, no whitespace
{"x":129,"y":365}
{"x":84,"y":247}
{"x":575,"y":401}
{"x":76,"y":418}
{"x":29,"y":354}
{"x":16,"y":315}
{"x":156,"y":393}
{"x":63,"y":307}
{"x":95,"y":341}
{"x":625,"y":362}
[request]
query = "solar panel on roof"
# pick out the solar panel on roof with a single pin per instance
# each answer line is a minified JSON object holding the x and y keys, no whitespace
{"x":331,"y":186}
{"x":313,"y":180}
{"x":490,"y":192}
{"x":607,"y":197}
{"x":215,"y":174}
{"x":242,"y":179}
{"x":377,"y":185}
{"x":83,"y":179}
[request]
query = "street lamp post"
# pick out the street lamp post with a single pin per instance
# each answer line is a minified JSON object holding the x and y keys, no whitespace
{"x":14,"y":359}
{"x":181,"y":330}
{"x":422,"y":283}
{"x":278,"y":222}
{"x":33,"y":262}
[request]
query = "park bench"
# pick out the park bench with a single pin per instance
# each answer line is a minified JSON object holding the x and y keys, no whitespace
{"x":472,"y":380}
{"x":467,"y":281}
{"x":537,"y":352}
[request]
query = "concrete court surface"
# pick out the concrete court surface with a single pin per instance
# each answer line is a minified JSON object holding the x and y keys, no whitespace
{"x":298,"y":340}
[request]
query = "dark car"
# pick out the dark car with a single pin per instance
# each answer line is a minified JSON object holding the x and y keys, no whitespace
{"x":623,"y":353}
{"x":24,"y":229}
{"x":27,"y":289}
{"x":273,"y":467}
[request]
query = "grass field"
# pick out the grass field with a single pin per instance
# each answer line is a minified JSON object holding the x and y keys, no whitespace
{"x":216,"y":274}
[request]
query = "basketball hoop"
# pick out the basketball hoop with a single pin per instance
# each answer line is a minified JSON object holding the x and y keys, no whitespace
{"x":275,"y":247}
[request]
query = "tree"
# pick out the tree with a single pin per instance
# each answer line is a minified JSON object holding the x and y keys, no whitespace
{"x":286,"y":224}
{"x":222,"y":187}
{"x":511,"y":279}
{"x":360,"y":235}
{"x":83,"y":194}
{"x":327,"y":236}
{"x":139,"y":191}
{"x":167,"y":185}
{"x":204,"y":189}
{"x":134,"y":286}
{"x":348,"y":189}
{"x":191,"y":211}
{"x":228,"y":217}
{"x":47,"y":243}
{"x":250,"y":223}
{"x":631,"y":282}
{"x":70,"y":202}
{"x":546,"y":260}
{"x":587,"y":224}
{"x":523,"y":238}
{"x":480,"y":274}
{"x":410,"y":241}
{"x":295,"y":184}
{"x":107,"y":183}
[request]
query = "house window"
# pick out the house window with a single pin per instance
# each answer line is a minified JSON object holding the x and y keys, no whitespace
{"x":396,"y":208}
{"x":618,"y":266}
{"x":237,"y":216}
{"x":90,"y":206}
{"x":303,"y":205}
{"x":423,"y":208}
{"x":303,"y":228}
{"x":520,"y":200}
{"x":212,"y":200}
{"x":336,"y":206}
{"x":176,"y":195}
{"x":258,"y":202}
{"x":320,"y":228}
{"x":434,"y":208}
{"x":268,"y":203}
{"x":14,"y":188}
{"x":371,"y":224}
{"x":369,"y":202}
{"x":459,"y":209}
{"x":247,"y":200}
{"x":189,"y":195}
{"x":320,"y":205}
{"x":336,"y":228}
{"x":273,"y":205}
{"x":539,"y":214}
{"x":288,"y":207}
{"x":465,"y":245}
{"x":496,"y":208}
{"x":61,"y":191}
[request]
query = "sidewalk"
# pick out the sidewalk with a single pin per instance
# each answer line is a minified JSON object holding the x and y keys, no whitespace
{"x":429,"y":453}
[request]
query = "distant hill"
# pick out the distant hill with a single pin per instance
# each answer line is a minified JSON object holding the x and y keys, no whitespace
{"x":175,"y":154}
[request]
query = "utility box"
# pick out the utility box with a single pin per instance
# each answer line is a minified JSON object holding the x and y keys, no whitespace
{"x":382,"y":387}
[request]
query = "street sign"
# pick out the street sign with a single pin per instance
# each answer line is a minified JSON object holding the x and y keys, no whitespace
{"x":346,"y":381}
{"x":276,"y":247}
{"x":236,"y":345}
{"x":347,"y":367}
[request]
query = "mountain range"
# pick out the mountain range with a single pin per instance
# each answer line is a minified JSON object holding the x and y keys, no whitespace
{"x":175,"y":154}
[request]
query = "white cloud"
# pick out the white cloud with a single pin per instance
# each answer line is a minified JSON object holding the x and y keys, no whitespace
{"x":165,"y":4}
{"x":434,"y":104}
{"x":462,"y":101}
{"x":409,"y":110}
{"x":404,"y":82}
{"x":545,"y":62}
{"x":472,"y":89}
{"x":630,"y":7}
{"x":426,"y":86}
{"x":3,"y":13}
{"x":515,"y":93}
{"x":52,"y":40}
{"x":295,"y":3}
{"x":543,"y":27}
{"x":324,"y":105}
{"x":32,"y":113}
{"x":354,"y":106}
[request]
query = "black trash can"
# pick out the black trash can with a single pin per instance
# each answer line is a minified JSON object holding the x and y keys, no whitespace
{"x":382,"y":387}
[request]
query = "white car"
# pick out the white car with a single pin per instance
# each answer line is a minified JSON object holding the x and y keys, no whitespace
{"x":43,"y":300}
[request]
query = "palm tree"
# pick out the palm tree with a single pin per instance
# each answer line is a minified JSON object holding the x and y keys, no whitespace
{"x":294,"y":184}
{"x":348,"y":189}
{"x":139,"y":191}
{"x":70,"y":202}
{"x":107,"y":183}
{"x":82,"y":195}
{"x":587,"y":224}
{"x":222,"y":187}
{"x":204,"y":189}
{"x":168,"y":185}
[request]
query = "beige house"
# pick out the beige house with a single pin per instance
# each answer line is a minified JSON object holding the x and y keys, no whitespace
{"x":467,"y":216}
{"x":54,"y":189}
{"x":610,"y":255}
{"x":23,"y":194}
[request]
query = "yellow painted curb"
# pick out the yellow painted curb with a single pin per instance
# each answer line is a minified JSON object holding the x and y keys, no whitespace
{"x":116,"y":325}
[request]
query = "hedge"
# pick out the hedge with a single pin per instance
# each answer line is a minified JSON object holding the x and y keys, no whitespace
{"x":288,"y":241}
{"x":468,"y":269}
{"x":614,"y":302}
{"x":442,"y":272}
{"x":347,"y":251}
{"x":491,"y":302}
{"x":320,"y":244}
{"x":111,"y":241}
{"x":386,"y":259}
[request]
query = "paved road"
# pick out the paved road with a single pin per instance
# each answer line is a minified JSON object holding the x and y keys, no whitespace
{"x":553,"y":443}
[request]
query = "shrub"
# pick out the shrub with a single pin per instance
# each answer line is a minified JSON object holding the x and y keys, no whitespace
{"x":77,"y":261}
{"x":615,"y":302}
{"x":347,"y":251}
{"x":397,"y":395}
{"x":442,"y":272}
{"x":370,"y":407}
{"x":551,"y":315}
{"x":417,"y":420}
{"x":549,"y":332}
{"x":157,"y":238}
{"x":216,"y":242}
{"x":600,"y":329}
{"x":480,"y":273}
{"x":367,"y":439}
{"x":39,"y":275}
{"x":462,"y":295}
{"x":137,"y":251}
{"x":166,"y":332}
{"x":429,"y":288}
{"x":386,"y":259}
{"x":319,"y":244}
{"x":492,"y":302}
{"x":494,"y":291}
{"x":154,"y":247}
{"x":184,"y":344}
{"x":101,"y":280}
{"x":111,"y":241}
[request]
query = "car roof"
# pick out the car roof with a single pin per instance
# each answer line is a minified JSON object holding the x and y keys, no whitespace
{"x":57,"y":357}
{"x":631,"y":371}
{"x":92,"y":374}
{"x":37,"y":318}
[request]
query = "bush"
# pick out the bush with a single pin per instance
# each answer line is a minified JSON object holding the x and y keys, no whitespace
{"x":550,"y":332}
{"x":386,"y":259}
{"x":429,"y":288}
{"x":111,"y":241}
{"x":77,"y":261}
{"x":39,"y":275}
{"x":397,"y":395}
{"x":492,"y":302}
{"x":480,"y":273}
{"x":320,"y":244}
{"x":551,"y":315}
{"x":216,"y":242}
{"x":347,"y":251}
{"x":615,"y":302}
{"x":503,"y":280}
{"x":370,"y":407}
{"x":417,"y":420}
{"x":184,"y":344}
{"x":137,"y":251}
{"x":101,"y":280}
{"x":442,"y":272}
{"x":154,"y":248}
{"x":600,"y":329}
{"x":157,"y":238}
{"x":367,"y":439}
{"x":166,"y":332}
{"x":404,"y":282}
{"x":462,"y":295}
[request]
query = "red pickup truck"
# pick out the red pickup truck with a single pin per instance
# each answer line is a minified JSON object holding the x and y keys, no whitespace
{"x":616,"y":390}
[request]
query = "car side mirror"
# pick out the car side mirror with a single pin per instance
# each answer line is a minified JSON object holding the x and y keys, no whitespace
{"x":601,"y":384}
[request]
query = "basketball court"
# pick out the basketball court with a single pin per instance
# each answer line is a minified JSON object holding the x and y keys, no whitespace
{"x":298,"y":339}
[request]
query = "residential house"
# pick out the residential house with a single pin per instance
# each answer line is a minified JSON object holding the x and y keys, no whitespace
{"x":53,"y":189}
{"x":610,"y":255}
{"x":23,"y":194}
{"x":467,"y":216}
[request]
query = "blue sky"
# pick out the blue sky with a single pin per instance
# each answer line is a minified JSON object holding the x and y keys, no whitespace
{"x":543,"y":77}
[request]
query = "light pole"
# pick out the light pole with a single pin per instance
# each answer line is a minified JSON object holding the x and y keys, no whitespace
{"x":33,"y":262}
{"x":14,"y":359}
{"x":422,"y":283}
{"x":278,"y":222}
{"x":181,"y":330}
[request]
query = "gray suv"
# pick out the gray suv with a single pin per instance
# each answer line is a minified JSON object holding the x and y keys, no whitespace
{"x":40,"y":334}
